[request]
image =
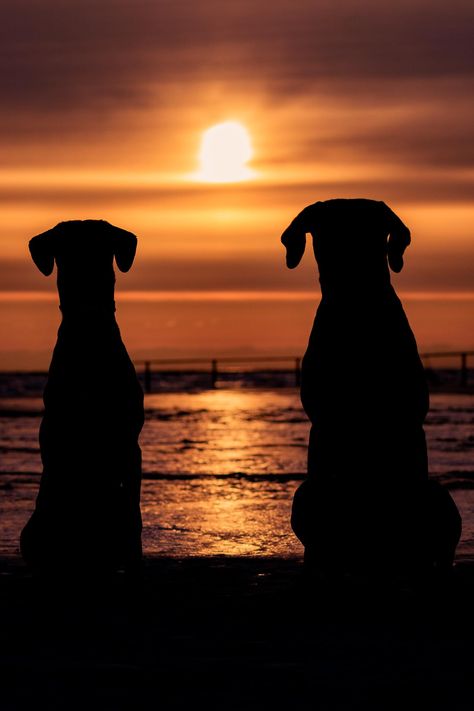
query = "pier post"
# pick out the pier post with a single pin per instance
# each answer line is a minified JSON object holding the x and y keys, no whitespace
{"x":147,"y":376}
{"x":213,"y":373}
{"x":297,"y":372}
{"x":463,"y":370}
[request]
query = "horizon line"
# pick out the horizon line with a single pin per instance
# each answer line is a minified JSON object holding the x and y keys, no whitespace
{"x":151,"y":295}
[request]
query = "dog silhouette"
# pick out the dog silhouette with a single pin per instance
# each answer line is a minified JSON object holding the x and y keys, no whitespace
{"x":88,"y":508}
{"x":367,"y":500}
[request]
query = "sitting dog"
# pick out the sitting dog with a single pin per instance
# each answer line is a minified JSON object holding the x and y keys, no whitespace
{"x":88,"y":507}
{"x":367,"y":500}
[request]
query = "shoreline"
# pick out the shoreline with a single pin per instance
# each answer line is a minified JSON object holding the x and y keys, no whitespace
{"x":247,"y":381}
{"x":235,"y":633}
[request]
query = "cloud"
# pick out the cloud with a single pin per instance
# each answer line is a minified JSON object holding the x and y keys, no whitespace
{"x":346,"y":98}
{"x":252,"y":197}
{"x":424,"y":271}
{"x":358,"y":80}
{"x":78,"y":54}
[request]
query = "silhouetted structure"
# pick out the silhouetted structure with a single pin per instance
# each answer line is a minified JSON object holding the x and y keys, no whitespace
{"x":367,"y":501}
{"x":88,"y":508}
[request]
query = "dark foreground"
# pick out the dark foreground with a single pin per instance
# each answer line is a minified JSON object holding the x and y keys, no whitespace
{"x":235,"y":633}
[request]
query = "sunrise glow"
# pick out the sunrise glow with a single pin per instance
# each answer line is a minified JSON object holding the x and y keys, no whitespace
{"x":207,"y":136}
{"x":225,"y":151}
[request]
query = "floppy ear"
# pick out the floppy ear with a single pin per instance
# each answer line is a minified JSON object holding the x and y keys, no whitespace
{"x":294,"y":237}
{"x":42,"y":251}
{"x":124,"y":247}
{"x":398,"y":240}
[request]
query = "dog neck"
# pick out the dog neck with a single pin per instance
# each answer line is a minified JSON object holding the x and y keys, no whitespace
{"x":88,"y":296}
{"x":356,"y":292}
{"x":90,"y":310}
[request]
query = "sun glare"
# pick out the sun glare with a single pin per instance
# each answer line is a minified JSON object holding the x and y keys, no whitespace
{"x":225,"y":152}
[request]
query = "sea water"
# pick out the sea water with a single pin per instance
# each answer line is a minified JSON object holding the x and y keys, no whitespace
{"x":220,"y":466}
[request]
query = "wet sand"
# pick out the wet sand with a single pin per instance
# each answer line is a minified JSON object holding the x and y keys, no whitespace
{"x":234,"y":633}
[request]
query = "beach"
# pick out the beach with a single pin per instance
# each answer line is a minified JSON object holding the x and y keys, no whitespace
{"x":220,"y":467}
{"x":235,"y":633}
{"x":224,"y":615}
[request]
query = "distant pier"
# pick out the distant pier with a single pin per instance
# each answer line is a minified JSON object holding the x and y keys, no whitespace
{"x":288,"y":365}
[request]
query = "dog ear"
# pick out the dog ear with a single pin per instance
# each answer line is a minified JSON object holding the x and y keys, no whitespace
{"x":398,"y":240}
{"x":124,"y":247}
{"x":42,"y":249}
{"x":294,"y":237}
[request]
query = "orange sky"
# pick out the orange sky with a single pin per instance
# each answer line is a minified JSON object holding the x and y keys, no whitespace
{"x":103,"y":110}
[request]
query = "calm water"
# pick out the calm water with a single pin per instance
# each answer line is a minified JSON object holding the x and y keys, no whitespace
{"x":220,"y":467}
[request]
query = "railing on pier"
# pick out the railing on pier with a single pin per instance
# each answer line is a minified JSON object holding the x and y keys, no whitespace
{"x":462,"y":355}
{"x":214,"y":365}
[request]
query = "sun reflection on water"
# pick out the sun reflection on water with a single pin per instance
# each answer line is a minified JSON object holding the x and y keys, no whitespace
{"x":220,"y":468}
{"x":226,"y":438}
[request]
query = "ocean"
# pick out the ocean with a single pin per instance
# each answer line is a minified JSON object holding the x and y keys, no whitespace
{"x":220,"y":466}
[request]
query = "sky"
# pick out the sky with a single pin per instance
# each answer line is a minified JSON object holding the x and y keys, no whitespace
{"x":103,"y":110}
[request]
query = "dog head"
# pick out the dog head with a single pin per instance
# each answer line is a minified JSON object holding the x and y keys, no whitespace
{"x":348,"y":218}
{"x":82,"y":245}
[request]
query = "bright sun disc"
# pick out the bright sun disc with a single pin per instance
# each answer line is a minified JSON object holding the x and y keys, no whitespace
{"x":225,"y":150}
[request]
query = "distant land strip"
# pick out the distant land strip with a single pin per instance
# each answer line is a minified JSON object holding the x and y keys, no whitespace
{"x":229,"y":295}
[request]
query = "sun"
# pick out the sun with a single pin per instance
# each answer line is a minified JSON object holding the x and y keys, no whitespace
{"x":225,"y":151}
